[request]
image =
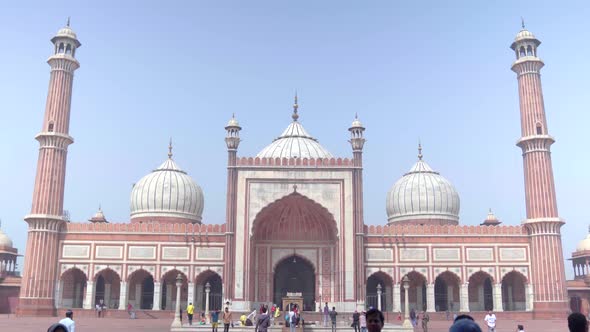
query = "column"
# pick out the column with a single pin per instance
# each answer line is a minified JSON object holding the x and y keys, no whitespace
{"x":450,"y":297}
{"x":207,"y":293}
{"x":89,"y":298}
{"x":107,"y":295}
{"x":498,"y":298}
{"x":396,"y":298}
{"x":430,"y":303}
{"x":157,"y":296}
{"x":379,"y":292}
{"x":529,"y":296}
{"x":123,"y":296}
{"x":464,"y":297}
{"x":169,"y":303}
{"x":58,"y":293}
{"x":419,"y":301}
{"x":137,"y":296}
{"x":177,"y":322}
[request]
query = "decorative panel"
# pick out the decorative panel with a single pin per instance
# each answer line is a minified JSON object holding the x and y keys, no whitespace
{"x":209,"y":253}
{"x":412,"y":254}
{"x":446,"y":254}
{"x":513,"y":254}
{"x":173,"y":253}
{"x":76,"y":251}
{"x":480,"y":254}
{"x":109,"y":252}
{"x":378,"y":254}
{"x":140,"y":252}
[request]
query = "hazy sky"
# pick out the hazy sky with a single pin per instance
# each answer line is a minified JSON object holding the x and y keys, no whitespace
{"x":436,"y":71}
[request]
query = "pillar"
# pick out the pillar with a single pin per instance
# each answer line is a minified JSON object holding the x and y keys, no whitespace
{"x":207,"y":293}
{"x":498,"y":307}
{"x":169,"y":304}
{"x":379,"y":292}
{"x":137,"y":296}
{"x":107,"y":295}
{"x":190,"y":298}
{"x":397,"y":298}
{"x":59,"y":286}
{"x":464,"y":297}
{"x":177,"y":322}
{"x":123,"y":296}
{"x":430,"y":303}
{"x":530,"y":297}
{"x":89,"y":298}
{"x":419,"y":301}
{"x":157,"y":296}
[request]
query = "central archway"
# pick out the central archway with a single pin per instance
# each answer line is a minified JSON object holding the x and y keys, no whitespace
{"x":295,"y":275}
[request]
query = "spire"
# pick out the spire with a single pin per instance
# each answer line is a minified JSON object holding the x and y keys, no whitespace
{"x":419,"y":151}
{"x":295,"y":116}
{"x":170,"y":149}
{"x":68,"y":22}
{"x":522,"y":22}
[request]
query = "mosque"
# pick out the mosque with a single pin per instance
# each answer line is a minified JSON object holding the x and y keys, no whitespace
{"x":294,"y":228}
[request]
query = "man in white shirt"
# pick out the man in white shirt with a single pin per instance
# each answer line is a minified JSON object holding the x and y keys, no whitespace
{"x":68,"y":322}
{"x":491,"y":321}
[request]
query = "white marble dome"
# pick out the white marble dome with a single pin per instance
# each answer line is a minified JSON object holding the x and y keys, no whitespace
{"x":167,"y":192}
{"x":584,"y":244}
{"x":294,"y":142}
{"x":524,"y":34}
{"x":421,"y":195}
{"x":5,"y":241}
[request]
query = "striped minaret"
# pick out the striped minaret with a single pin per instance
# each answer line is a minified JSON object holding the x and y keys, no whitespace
{"x":543,"y":222}
{"x":41,"y":273}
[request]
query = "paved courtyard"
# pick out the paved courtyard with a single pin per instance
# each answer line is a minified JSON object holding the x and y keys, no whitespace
{"x":84,"y":324}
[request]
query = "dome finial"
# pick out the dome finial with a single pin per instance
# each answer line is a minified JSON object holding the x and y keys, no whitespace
{"x":295,"y":116}
{"x":522,"y":22}
{"x":68,"y":22}
{"x":170,"y":149}
{"x":419,"y":150}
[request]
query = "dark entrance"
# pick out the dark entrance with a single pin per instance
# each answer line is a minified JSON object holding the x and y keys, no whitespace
{"x":295,"y":275}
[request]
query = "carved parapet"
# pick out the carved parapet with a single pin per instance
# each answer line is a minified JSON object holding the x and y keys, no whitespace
{"x":295,"y":162}
{"x":158,"y":228}
{"x":410,"y":229}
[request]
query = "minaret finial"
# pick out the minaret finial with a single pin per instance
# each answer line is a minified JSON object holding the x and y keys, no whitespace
{"x":589,"y":229}
{"x":68,"y":22}
{"x":522,"y":22}
{"x":419,"y":150}
{"x":170,"y":149}
{"x":295,"y":116}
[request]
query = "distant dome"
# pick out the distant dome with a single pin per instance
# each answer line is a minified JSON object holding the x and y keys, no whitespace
{"x":66,"y":32}
{"x":423,"y":196}
{"x":5,"y":241}
{"x":524,"y":34}
{"x":167,"y":194}
{"x":98,"y":216}
{"x":584,"y":244}
{"x":233,"y":122}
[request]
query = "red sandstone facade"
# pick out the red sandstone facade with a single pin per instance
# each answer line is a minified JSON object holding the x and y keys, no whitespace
{"x":294,"y":223}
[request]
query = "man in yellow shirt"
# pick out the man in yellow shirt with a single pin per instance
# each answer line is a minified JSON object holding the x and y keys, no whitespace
{"x":190,"y":310}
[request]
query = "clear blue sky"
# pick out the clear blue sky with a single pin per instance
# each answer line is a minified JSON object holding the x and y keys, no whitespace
{"x":436,"y":71}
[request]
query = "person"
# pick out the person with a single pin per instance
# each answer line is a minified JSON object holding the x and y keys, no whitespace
{"x":355,"y":321}
{"x":57,"y":327}
{"x":277,"y":314}
{"x":180,"y":312}
{"x":326,"y":314}
{"x":226,"y":319}
{"x":463,"y":316}
{"x":98,"y":310}
{"x":103,"y":308}
{"x":68,"y":322}
{"x":464,"y":325}
{"x":263,"y":321}
{"x":214,"y":320}
{"x":333,"y":315}
{"x":491,"y":321}
{"x":448,"y":314}
{"x":399,"y":315}
{"x":273,"y":309}
{"x":519,"y":328}
{"x":577,"y":322}
{"x":292,"y":319}
{"x":425,"y":320}
{"x":190,"y":311}
{"x":363,"y":322}
{"x":413,"y":317}
{"x":375,"y":320}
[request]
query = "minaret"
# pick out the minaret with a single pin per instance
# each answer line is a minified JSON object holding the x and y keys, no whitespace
{"x":46,"y":217}
{"x":232,"y":140}
{"x":543,"y":222}
{"x":357,"y":141}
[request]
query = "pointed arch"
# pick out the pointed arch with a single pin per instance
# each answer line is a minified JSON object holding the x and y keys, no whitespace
{"x":140,"y":291}
{"x":514,"y":291}
{"x":446,"y":291}
{"x":416,"y":291}
{"x":107,"y":287}
{"x":215,"y":287}
{"x":73,"y":287}
{"x":480,"y":291}
{"x":385,"y":281}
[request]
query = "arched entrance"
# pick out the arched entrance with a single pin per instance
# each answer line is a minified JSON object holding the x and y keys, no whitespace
{"x":373,"y":282}
{"x":107,"y":288}
{"x":513,"y":292}
{"x":73,"y":283}
{"x":481,"y":296}
{"x":168,"y":285}
{"x":294,"y":275}
{"x":141,"y":290}
{"x":446,"y":292}
{"x":293,"y":245}
{"x":417,"y":292}
{"x":215,"y":294}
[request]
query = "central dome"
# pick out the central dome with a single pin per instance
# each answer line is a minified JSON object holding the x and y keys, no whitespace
{"x":295,"y":142}
{"x":167,"y":194}
{"x":423,"y":196}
